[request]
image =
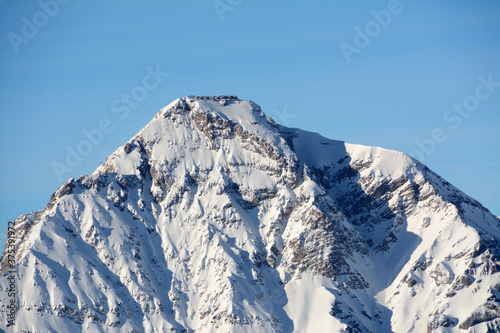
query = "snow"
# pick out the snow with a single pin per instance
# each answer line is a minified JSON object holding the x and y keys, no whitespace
{"x":317,"y":150}
{"x":180,"y":229}
{"x":308,"y":298}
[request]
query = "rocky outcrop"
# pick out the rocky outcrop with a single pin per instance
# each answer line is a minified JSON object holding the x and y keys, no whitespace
{"x":215,"y":218}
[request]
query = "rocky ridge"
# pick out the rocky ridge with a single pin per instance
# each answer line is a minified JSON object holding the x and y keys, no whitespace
{"x":214,"y":218}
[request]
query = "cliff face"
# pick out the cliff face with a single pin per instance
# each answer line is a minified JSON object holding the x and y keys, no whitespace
{"x":214,"y":218}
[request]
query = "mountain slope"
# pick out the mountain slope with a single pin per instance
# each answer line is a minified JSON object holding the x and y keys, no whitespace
{"x":214,"y":218}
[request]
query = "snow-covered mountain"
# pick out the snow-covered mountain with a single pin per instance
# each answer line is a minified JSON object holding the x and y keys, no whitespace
{"x":215,"y":219}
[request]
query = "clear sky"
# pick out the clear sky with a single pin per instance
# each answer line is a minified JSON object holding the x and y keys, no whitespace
{"x":420,"y":77}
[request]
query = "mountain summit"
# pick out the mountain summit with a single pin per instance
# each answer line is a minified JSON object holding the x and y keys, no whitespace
{"x":213,"y":219}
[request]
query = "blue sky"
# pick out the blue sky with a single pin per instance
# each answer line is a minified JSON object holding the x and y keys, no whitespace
{"x":66,"y":66}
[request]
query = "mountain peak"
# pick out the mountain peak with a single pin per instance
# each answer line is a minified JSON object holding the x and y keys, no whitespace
{"x":185,"y":103}
{"x":213,"y":217}
{"x":227,"y":107}
{"x":218,"y":98}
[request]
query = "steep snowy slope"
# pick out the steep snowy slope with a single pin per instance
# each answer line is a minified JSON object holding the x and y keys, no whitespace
{"x":215,"y":219}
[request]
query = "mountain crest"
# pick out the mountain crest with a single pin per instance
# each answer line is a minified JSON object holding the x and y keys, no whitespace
{"x":214,"y":218}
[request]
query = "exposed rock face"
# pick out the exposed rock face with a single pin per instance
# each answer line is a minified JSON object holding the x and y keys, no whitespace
{"x":214,"y":218}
